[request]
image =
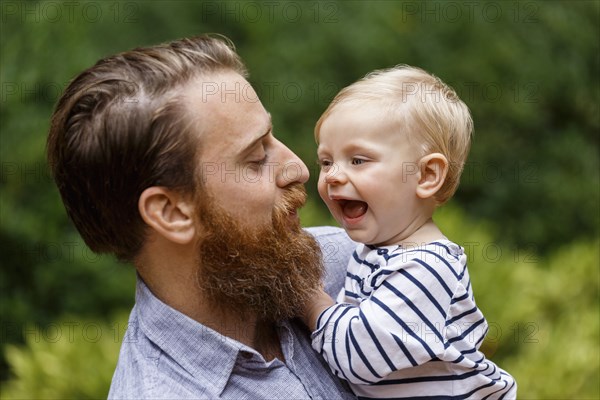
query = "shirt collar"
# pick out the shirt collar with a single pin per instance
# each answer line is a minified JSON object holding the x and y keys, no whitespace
{"x":194,"y":346}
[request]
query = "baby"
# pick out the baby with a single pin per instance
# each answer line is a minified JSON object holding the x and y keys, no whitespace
{"x":392,"y":148}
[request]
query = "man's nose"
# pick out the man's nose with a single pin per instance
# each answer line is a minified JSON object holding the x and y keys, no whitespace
{"x":292,"y":169}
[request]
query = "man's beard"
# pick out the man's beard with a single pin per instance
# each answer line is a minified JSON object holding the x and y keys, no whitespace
{"x":265,"y":271}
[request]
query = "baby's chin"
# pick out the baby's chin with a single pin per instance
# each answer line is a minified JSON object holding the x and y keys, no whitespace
{"x":362,"y":237}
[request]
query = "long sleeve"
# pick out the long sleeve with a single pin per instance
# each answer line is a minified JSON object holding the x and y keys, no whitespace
{"x":406,"y":325}
{"x":397,"y":320}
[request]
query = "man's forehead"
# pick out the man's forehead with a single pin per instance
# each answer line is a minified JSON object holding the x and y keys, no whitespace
{"x":229,"y":112}
{"x":221,"y":87}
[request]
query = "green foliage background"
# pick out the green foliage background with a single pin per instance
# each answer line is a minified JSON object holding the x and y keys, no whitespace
{"x":527,"y":208}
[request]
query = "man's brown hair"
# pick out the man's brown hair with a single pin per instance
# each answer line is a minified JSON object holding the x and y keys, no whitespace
{"x":120,"y":127}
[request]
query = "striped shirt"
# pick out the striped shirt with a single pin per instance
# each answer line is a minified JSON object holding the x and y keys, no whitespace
{"x":406,"y":326}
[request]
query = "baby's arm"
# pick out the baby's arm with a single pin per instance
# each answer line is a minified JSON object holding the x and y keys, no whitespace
{"x":316,"y":305}
{"x":387,"y":332}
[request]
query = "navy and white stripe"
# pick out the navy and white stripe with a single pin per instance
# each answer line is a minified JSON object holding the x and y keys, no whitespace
{"x":406,"y":326}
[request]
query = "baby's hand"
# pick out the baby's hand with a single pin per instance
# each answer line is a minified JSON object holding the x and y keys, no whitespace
{"x":318,"y":303}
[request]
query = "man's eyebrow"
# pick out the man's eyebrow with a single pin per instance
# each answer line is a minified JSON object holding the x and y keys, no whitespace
{"x":259,"y":138}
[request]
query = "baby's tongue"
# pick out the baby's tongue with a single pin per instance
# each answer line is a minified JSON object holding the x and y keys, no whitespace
{"x":354,"y":208}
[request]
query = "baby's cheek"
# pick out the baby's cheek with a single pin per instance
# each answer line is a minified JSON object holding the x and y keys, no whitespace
{"x":322,"y":187}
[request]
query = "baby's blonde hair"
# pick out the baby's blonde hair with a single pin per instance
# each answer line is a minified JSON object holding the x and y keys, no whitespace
{"x":427,"y":109}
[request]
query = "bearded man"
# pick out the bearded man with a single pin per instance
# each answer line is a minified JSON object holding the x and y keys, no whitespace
{"x":165,"y":157}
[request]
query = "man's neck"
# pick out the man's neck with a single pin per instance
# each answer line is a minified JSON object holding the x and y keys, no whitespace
{"x":248,"y":329}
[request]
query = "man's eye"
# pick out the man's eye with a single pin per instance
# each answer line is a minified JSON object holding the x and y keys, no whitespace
{"x":259,"y":162}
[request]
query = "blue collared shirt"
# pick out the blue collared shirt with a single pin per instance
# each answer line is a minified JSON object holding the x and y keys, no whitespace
{"x":166,"y":354}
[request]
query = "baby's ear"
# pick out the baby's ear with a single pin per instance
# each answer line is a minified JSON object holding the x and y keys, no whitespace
{"x":433,"y":169}
{"x":169,"y":213}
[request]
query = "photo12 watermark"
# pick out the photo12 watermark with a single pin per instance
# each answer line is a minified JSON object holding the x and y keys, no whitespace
{"x":63,"y":252}
{"x":70,"y":332}
{"x":427,"y":11}
{"x":250,"y":172}
{"x":521,"y":172}
{"x":472,"y":332}
{"x":50,"y":92}
{"x":252,"y":12}
{"x":25,"y":172}
{"x":69,"y":12}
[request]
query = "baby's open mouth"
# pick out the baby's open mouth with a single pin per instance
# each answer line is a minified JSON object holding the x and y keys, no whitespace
{"x":353,"y":208}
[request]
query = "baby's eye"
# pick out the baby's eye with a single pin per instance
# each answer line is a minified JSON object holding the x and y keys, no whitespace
{"x":358,"y":161}
{"x":325,"y":164}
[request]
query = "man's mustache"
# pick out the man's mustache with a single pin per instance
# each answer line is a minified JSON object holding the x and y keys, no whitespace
{"x":293,"y":198}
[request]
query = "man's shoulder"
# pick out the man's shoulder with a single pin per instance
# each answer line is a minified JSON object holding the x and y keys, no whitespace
{"x":144,"y":370}
{"x":333,"y":240}
{"x":155,"y":386}
{"x":331,"y":237}
{"x":337,"y":248}
{"x":322,"y":231}
{"x":145,"y":373}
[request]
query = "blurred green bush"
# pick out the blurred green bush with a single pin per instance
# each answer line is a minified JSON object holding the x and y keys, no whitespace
{"x":542,"y":311}
{"x":68,"y":359}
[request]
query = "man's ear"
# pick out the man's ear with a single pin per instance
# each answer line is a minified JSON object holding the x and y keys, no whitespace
{"x":433,"y":170}
{"x":169,"y":213}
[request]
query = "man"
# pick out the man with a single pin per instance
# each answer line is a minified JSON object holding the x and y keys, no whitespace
{"x":165,"y":157}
